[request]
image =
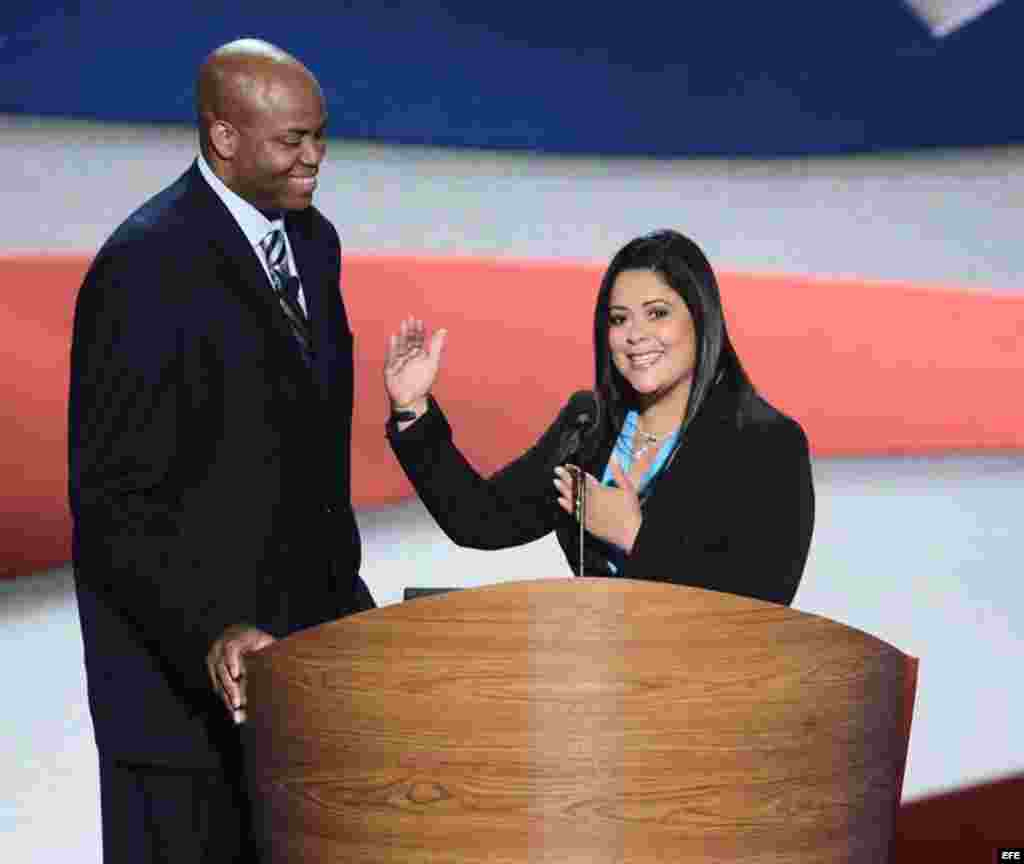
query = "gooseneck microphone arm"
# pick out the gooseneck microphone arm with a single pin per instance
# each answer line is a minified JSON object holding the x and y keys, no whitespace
{"x":580,"y":506}
{"x":583,"y":413}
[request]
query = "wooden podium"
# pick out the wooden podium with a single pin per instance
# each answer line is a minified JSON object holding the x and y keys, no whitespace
{"x":578,"y":720}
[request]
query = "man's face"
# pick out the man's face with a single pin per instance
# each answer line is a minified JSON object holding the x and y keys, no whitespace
{"x":280,"y":142}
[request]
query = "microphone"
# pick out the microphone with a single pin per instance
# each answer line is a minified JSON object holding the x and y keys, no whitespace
{"x":583,"y":412}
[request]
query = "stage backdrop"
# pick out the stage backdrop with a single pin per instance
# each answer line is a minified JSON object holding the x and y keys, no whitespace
{"x":725,"y":78}
{"x":930,"y":375}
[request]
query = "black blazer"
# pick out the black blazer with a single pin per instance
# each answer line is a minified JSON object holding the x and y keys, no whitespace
{"x":733,"y":511}
{"x":209,"y":466}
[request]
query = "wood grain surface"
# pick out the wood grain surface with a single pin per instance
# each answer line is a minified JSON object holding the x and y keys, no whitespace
{"x":590,"y":720}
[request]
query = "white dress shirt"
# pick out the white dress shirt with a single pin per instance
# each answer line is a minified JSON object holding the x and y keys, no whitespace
{"x":255,"y":226}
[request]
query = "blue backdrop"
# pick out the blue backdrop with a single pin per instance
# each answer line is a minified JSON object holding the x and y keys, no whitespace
{"x":733,"y":77}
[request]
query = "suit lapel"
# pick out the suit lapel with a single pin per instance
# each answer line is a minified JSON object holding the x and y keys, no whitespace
{"x":600,"y":459}
{"x":251,"y":286}
{"x":701,"y":446}
{"x":315,"y":285}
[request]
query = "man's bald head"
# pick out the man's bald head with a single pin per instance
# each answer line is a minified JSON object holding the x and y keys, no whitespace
{"x":255,"y":101}
{"x":234,"y":80}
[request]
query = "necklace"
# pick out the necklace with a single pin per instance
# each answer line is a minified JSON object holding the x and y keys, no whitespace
{"x":649,"y":441}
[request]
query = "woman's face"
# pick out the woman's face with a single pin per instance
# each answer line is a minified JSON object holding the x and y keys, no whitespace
{"x":651,"y":335}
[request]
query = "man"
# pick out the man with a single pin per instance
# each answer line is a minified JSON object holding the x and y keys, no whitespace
{"x":210,"y":425}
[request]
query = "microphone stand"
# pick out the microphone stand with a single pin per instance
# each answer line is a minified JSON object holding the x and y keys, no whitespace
{"x":587,"y":409}
{"x":579,"y":496}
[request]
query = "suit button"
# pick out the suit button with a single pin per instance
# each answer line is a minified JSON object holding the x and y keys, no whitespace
{"x":330,"y":509}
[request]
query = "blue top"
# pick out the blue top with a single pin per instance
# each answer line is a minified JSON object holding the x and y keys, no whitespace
{"x":623,"y":451}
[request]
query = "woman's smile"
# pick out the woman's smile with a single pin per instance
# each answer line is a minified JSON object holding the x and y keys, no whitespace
{"x":645,"y":359}
{"x":651,"y":335}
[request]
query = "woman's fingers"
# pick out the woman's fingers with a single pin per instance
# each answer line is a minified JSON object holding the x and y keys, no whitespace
{"x":392,"y":351}
{"x":620,"y":478}
{"x":437,"y":344}
{"x":405,"y":342}
{"x":566,"y":486}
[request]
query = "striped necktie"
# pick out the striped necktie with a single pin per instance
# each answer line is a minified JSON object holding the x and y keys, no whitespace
{"x":286,"y":287}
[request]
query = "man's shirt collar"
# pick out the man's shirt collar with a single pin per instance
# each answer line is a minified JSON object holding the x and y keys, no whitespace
{"x":253,"y":223}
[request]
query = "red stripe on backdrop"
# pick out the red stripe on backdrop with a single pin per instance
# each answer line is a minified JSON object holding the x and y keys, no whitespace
{"x":867,"y":367}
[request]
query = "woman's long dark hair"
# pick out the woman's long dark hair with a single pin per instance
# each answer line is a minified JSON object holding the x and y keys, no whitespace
{"x":685,"y":269}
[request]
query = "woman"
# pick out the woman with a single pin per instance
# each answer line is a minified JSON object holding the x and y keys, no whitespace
{"x":691,"y":476}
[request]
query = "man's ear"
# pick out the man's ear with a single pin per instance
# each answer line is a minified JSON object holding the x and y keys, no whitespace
{"x":223,"y":139}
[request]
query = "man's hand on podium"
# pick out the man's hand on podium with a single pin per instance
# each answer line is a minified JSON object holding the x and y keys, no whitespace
{"x":225,"y":663}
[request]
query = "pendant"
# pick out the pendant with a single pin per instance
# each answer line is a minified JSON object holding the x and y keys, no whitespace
{"x":649,"y":439}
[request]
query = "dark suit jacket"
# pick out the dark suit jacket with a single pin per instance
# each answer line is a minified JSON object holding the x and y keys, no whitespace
{"x":209,"y":466}
{"x":733,"y":511}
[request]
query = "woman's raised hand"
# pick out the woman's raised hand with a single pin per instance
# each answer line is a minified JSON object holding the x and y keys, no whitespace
{"x":411,"y":365}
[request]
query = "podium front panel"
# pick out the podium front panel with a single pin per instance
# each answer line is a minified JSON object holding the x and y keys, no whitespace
{"x":586,"y":720}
